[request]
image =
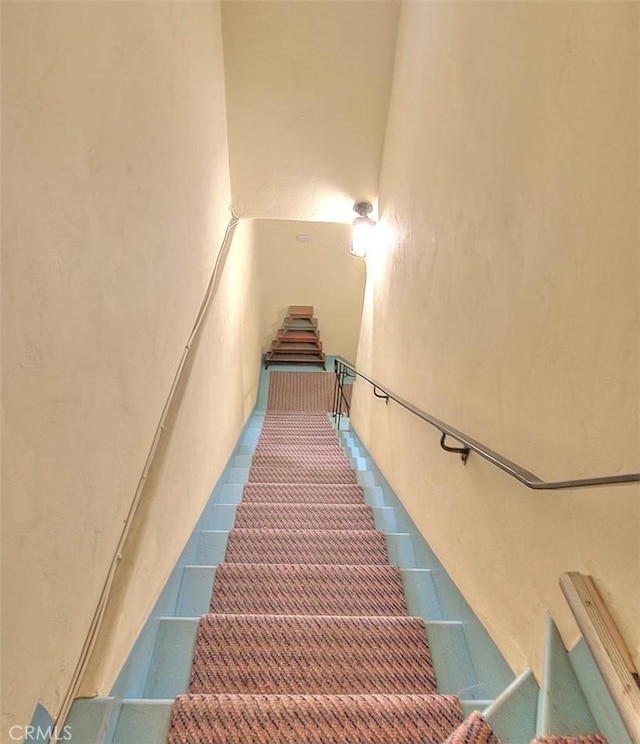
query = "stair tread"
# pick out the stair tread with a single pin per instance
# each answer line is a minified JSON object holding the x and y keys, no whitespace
{"x":329,"y":450}
{"x":304,"y":516}
{"x":301,"y":355}
{"x":300,"y":311}
{"x":284,"y":448}
{"x":300,"y":322}
{"x":303,"y":474}
{"x":273,"y":425}
{"x":297,"y":440}
{"x":285,"y":654}
{"x":288,"y":335}
{"x":288,"y":589}
{"x":276,"y":414}
{"x":342,"y":547}
{"x":306,"y":427}
{"x":307,"y":493}
{"x":296,"y":460}
{"x":290,"y":346}
{"x":291,"y":719}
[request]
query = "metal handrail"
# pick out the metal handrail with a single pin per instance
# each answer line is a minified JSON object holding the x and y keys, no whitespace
{"x":526,"y":477}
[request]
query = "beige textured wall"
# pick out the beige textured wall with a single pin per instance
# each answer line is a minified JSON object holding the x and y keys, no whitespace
{"x":320,"y":272}
{"x":115,"y":199}
{"x":508,"y":303}
{"x":219,"y":394}
{"x":307,"y":96}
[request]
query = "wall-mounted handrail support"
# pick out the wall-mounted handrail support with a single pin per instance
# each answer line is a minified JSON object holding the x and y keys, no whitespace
{"x":379,"y":394}
{"x":607,"y":647}
{"x":463,"y":451}
{"x":526,"y":477}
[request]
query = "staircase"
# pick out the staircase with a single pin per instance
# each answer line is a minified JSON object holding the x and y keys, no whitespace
{"x":298,"y":341}
{"x":307,"y":608}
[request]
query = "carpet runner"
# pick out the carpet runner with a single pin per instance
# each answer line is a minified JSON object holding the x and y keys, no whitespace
{"x":301,"y":391}
{"x":282,"y":589}
{"x":313,"y":719}
{"x":302,"y":474}
{"x":324,"y":448}
{"x":299,"y":516}
{"x":307,"y":638}
{"x":277,"y":460}
{"x":285,"y":654}
{"x":307,"y":546}
{"x":307,"y":493}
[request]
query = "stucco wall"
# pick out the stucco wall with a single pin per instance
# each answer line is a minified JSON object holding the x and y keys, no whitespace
{"x":115,"y":199}
{"x":508,"y":302}
{"x":307,"y":96}
{"x":318,"y":271}
{"x":218,"y":395}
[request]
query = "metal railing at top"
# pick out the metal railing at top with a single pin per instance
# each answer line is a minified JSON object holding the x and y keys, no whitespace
{"x":341,"y":406}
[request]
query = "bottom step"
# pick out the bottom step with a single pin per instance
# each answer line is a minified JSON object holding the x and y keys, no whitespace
{"x":367,"y":719}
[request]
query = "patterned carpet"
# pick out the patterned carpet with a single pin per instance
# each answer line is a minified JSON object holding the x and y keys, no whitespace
{"x":303,"y":391}
{"x":300,"y":516}
{"x":302,"y":474}
{"x":306,"y":655}
{"x":353,"y":547}
{"x":253,"y":588}
{"x":307,"y":493}
{"x":313,"y":719}
{"x":307,"y":639}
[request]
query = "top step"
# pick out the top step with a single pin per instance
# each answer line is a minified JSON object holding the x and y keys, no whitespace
{"x":300,"y":311}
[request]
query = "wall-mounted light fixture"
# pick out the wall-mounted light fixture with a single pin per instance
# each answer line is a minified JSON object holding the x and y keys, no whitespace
{"x":363,"y":229}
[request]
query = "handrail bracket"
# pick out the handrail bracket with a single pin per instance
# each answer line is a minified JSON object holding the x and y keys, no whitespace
{"x":462,"y":451}
{"x":380,"y":394}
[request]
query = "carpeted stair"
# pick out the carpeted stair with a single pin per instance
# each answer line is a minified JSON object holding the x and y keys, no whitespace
{"x":307,"y":493}
{"x":281,"y":589}
{"x":318,"y":473}
{"x":308,"y":638}
{"x":298,"y":517}
{"x":313,"y":719}
{"x":307,"y":546}
{"x":310,"y":634}
{"x":320,"y":654}
{"x":300,"y":392}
